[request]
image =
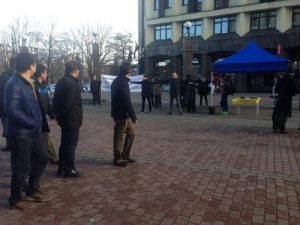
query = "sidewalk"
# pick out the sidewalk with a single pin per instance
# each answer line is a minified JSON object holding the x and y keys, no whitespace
{"x":192,"y":169}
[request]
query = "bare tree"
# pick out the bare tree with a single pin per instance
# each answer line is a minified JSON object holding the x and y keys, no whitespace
{"x":85,"y":37}
{"x":123,"y":47}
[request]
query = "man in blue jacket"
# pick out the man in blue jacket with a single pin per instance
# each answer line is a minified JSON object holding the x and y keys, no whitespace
{"x":124,"y":116}
{"x":23,"y":129}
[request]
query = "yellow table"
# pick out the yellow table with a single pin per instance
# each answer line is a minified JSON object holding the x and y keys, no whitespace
{"x":244,"y":101}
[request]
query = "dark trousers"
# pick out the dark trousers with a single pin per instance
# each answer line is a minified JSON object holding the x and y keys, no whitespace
{"x":28,"y":156}
{"x":96,"y":98}
{"x":69,"y":141}
{"x":205,"y":98}
{"x":279,"y":119}
{"x":157,"y":101}
{"x":121,"y":128}
{"x":224,"y":102}
{"x":149,"y":103}
{"x":191,"y":104}
{"x":172,"y":97}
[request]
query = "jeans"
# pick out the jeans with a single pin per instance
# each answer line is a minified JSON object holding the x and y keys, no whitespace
{"x":28,"y":156}
{"x":122,"y":150}
{"x":96,"y":98}
{"x":69,"y":141}
{"x":172,"y":97}
{"x":224,"y":102}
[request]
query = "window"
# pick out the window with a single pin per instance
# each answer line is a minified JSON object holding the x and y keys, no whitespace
{"x":195,"y":30}
{"x":296,"y":17}
{"x":224,"y":25}
{"x":156,"y":4}
{"x":199,"y":5}
{"x":185,"y":2}
{"x":169,"y":4}
{"x":220,"y":4}
{"x":163,"y":32}
{"x":263,"y":20}
{"x":262,"y":1}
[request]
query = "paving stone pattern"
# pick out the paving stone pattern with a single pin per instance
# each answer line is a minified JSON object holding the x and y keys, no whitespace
{"x":192,"y":169}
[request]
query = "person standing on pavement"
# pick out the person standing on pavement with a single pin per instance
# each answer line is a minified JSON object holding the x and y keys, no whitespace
{"x":174,"y":92}
{"x":40,"y":78}
{"x":286,"y":89}
{"x":67,"y":107}
{"x":23,"y":129}
{"x":95,"y":90}
{"x":146,"y":91}
{"x":124,"y":117}
{"x":191,"y":94}
{"x":157,"y":95}
{"x":203,"y":90}
{"x":4,"y":77}
{"x":227,"y":88}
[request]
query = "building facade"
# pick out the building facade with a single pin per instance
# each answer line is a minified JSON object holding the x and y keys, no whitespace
{"x":217,"y":29}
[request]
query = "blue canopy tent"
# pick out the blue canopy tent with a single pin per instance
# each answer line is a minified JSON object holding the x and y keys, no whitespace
{"x":251,"y":58}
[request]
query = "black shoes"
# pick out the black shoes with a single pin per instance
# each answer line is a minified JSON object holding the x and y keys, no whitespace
{"x":119,"y":162}
{"x":69,"y":174}
{"x":129,"y":160}
{"x":73,"y":174}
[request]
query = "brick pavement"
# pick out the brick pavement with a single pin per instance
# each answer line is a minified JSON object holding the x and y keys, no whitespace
{"x":192,"y":169}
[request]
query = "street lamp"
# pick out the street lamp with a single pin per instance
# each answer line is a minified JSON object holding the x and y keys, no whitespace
{"x":187,"y":25}
{"x":187,"y":50}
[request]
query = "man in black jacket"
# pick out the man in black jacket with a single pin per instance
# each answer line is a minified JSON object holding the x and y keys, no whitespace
{"x":175,"y":93}
{"x":124,"y":116}
{"x":4,"y":77}
{"x":23,"y":129}
{"x":286,"y":89}
{"x":146,"y":91}
{"x":40,"y":78}
{"x":67,"y":109}
{"x":95,"y":90}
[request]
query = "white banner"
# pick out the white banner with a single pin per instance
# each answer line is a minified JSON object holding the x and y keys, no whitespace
{"x":108,"y":79}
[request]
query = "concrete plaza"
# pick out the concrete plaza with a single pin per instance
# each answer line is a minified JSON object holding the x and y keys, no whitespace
{"x":191,"y":169}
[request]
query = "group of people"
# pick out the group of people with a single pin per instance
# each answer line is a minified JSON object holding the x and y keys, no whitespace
{"x":25,"y":104}
{"x":183,"y":91}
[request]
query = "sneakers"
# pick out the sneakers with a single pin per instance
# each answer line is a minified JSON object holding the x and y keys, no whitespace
{"x":119,"y":162}
{"x":224,"y":113}
{"x":37,"y":197}
{"x":23,"y":205}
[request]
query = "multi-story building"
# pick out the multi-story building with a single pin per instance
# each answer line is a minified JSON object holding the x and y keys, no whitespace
{"x":219,"y":28}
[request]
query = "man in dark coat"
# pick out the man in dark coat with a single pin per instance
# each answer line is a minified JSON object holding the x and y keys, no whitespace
{"x":40,"y":78}
{"x":124,"y":117}
{"x":286,"y":89}
{"x":95,"y":90}
{"x":67,"y":107}
{"x":23,"y":129}
{"x":191,"y":94}
{"x":4,"y":77}
{"x":146,"y":91}
{"x":175,"y":93}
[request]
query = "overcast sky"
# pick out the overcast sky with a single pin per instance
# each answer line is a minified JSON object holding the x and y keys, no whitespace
{"x":120,"y":14}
